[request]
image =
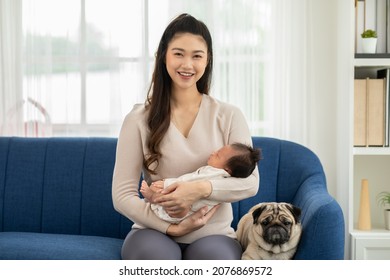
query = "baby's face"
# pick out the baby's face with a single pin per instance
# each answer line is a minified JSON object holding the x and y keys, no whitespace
{"x":219,"y":158}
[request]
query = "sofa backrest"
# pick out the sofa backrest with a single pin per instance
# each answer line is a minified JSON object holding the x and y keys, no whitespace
{"x":59,"y":185}
{"x":63,"y":185}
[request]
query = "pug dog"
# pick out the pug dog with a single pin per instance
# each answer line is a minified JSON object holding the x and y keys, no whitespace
{"x":270,"y":231}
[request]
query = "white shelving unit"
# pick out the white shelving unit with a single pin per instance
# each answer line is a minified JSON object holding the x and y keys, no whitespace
{"x":372,"y":163}
{"x":371,"y":151}
{"x":372,"y":62}
{"x":370,"y":245}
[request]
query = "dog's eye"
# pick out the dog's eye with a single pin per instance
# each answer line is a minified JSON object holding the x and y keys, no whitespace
{"x":287,"y":223}
{"x":265,"y":222}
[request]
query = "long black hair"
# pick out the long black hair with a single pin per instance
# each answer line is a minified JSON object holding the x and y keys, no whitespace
{"x":159,"y":93}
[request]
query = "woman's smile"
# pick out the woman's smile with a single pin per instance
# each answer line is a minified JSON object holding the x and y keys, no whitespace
{"x":186,"y":60}
{"x":186,"y":74}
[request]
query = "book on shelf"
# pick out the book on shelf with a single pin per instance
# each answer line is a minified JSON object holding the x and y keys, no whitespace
{"x":369,"y":112}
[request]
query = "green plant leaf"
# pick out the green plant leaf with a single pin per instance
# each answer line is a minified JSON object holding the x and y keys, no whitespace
{"x":383,"y":199}
{"x":369,"y":33}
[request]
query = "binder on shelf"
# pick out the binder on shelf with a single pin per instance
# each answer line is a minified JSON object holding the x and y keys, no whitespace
{"x":369,"y":112}
{"x":360,"y":113}
{"x":376,"y":112}
{"x":385,"y":74}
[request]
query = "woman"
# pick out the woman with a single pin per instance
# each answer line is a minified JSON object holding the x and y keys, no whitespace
{"x":174,"y":132}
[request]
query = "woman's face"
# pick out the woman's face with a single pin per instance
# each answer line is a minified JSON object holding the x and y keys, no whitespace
{"x":186,"y":60}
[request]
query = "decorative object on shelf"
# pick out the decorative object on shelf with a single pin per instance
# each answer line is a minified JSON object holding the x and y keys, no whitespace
{"x":369,"y":40}
{"x":364,"y":222}
{"x":384,"y":200}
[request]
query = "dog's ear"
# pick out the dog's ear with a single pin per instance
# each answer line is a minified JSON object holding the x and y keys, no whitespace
{"x":256,"y":214}
{"x":295,"y":211}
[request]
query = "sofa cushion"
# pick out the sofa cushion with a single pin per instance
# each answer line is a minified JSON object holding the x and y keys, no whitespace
{"x":43,"y":246}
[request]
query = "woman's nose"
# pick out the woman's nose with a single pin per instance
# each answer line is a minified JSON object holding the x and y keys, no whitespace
{"x":187,"y":63}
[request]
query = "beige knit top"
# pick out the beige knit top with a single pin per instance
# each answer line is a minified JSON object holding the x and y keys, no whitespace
{"x":216,"y":125}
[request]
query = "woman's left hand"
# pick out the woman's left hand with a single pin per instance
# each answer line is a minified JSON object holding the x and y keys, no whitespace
{"x":179,"y":197}
{"x":193,"y":222}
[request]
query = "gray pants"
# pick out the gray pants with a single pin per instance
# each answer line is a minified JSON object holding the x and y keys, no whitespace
{"x":148,"y":244}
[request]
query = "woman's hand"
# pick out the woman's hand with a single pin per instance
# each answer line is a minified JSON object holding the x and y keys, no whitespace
{"x":179,"y":197}
{"x":192,"y":222}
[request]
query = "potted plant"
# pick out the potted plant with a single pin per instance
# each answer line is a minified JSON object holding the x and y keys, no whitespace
{"x":369,"y":39}
{"x":384,"y":200}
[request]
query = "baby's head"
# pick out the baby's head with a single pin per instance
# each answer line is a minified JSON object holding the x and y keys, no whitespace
{"x":238,"y":159}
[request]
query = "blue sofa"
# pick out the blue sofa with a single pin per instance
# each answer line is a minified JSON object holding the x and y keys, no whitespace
{"x":55,"y":198}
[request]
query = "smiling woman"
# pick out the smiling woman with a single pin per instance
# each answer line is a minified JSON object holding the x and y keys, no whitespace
{"x":179,"y":91}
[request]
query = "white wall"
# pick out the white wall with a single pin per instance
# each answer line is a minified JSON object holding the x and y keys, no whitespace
{"x":322,"y":85}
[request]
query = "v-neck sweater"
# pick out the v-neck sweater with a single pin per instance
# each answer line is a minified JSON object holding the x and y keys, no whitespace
{"x":216,"y":124}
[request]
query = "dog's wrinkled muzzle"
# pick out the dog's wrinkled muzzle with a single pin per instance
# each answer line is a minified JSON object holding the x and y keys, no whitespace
{"x":276,"y":235}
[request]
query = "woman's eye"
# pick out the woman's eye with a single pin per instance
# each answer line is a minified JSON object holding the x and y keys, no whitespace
{"x":178,"y":54}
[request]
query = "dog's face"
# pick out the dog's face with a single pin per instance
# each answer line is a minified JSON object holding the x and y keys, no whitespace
{"x":270,"y":231}
{"x":275,"y":222}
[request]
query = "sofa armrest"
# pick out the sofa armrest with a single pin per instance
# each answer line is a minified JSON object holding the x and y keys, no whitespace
{"x":323,"y":235}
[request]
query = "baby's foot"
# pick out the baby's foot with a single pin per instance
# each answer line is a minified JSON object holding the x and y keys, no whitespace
{"x":146,"y":191}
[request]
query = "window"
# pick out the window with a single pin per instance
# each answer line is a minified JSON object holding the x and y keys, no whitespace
{"x":87,"y":62}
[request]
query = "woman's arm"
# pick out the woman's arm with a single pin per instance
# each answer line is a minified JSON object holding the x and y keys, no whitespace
{"x":235,"y":189}
{"x":127,"y":172}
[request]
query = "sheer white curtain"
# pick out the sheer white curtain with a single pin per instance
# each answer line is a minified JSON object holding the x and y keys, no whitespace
{"x":287,"y":85}
{"x":302,"y":91}
{"x":11,"y":97}
{"x":302,"y":88}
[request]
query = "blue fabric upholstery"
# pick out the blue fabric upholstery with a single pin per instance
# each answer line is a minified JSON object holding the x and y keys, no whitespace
{"x":45,"y":246}
{"x":55,"y":198}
